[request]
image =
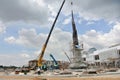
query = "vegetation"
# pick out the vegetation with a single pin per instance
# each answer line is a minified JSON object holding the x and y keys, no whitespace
{"x":8,"y":67}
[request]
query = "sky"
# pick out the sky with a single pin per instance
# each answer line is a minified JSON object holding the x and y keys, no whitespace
{"x":25,"y":24}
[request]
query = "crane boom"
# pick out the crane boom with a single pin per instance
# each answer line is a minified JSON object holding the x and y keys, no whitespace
{"x":53,"y":59}
{"x":67,"y":57}
{"x":45,"y":45}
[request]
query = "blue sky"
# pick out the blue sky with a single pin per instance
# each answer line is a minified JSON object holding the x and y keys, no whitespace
{"x":24,"y":26}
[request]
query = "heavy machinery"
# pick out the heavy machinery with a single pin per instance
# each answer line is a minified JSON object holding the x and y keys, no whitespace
{"x":55,"y":65}
{"x":45,"y":45}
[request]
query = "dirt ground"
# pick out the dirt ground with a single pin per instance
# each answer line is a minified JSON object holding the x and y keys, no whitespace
{"x":59,"y":78}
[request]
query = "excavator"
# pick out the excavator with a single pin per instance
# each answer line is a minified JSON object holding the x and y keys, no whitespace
{"x":56,"y":65}
{"x":40,"y":58}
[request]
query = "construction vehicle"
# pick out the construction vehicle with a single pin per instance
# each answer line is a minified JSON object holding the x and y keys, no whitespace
{"x":56,"y":65}
{"x":40,"y":58}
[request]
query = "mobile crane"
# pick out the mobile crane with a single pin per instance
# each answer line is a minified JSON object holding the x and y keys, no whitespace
{"x":40,"y":59}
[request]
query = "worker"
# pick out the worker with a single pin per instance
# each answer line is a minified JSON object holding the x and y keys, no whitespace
{"x":38,"y":71}
{"x":25,"y":71}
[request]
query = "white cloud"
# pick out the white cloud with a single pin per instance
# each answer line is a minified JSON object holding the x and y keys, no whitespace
{"x":2,"y":28}
{"x":40,"y":10}
{"x":61,"y":41}
{"x":28,"y":38}
{"x":53,"y":5}
{"x":24,"y":55}
{"x":67,"y":21}
{"x":90,"y":9}
{"x":41,"y":2}
{"x":80,"y":21}
{"x":13,"y":59}
{"x":25,"y":10}
{"x":90,"y":22}
{"x":101,"y":40}
{"x":53,"y":13}
{"x":51,"y":19}
{"x":99,"y":9}
{"x":10,"y":39}
{"x":43,"y":11}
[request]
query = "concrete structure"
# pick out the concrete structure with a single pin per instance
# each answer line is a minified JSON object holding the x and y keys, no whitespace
{"x":76,"y":61}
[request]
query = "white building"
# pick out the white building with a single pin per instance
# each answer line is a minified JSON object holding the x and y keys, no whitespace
{"x":108,"y":57}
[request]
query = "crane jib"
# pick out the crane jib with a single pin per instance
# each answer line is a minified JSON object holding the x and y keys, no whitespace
{"x":45,"y":45}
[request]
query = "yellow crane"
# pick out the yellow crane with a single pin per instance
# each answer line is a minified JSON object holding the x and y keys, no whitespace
{"x":45,"y":45}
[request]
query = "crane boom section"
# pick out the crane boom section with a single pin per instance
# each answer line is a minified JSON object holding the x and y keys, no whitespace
{"x":45,"y":45}
{"x":67,"y":57}
{"x":53,"y":59}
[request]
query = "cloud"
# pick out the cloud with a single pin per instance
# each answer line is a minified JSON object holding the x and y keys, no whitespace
{"x":14,"y":59}
{"x":53,"y":5}
{"x":23,"y":10}
{"x":53,"y":13}
{"x":51,"y":19}
{"x":43,"y":11}
{"x":90,"y":9}
{"x":101,"y":40}
{"x":99,"y":9}
{"x":61,"y":41}
{"x":27,"y":37}
{"x":24,"y":55}
{"x":2,"y":28}
{"x":10,"y":40}
{"x":90,"y":22}
{"x":67,"y":21}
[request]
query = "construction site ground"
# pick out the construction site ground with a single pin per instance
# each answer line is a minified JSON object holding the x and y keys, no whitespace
{"x":39,"y":77}
{"x":109,"y":77}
